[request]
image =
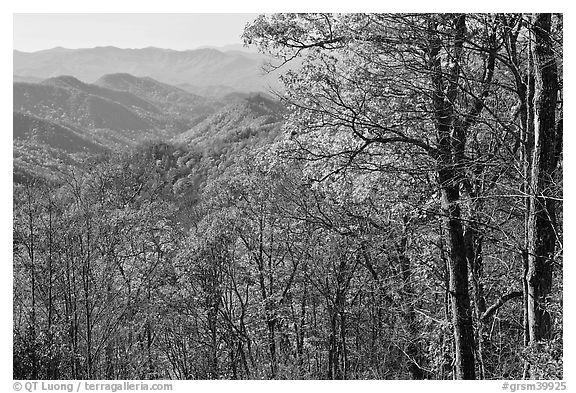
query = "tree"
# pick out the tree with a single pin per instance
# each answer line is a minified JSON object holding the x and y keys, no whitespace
{"x":415,"y":63}
{"x":542,"y":227}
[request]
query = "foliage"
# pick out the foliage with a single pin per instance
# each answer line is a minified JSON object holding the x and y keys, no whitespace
{"x":325,"y":252}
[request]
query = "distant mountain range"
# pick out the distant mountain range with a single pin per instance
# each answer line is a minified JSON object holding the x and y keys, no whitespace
{"x":201,"y":70}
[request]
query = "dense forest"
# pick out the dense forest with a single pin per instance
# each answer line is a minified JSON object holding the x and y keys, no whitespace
{"x":395,"y":212}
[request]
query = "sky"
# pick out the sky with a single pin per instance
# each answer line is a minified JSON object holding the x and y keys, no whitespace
{"x":33,"y":32}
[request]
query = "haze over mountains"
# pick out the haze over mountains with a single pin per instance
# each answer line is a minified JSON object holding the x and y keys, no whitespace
{"x":61,"y":119}
{"x":200,"y":69}
{"x":70,"y":104}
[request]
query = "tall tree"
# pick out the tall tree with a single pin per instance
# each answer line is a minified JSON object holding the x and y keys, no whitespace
{"x":381,"y":83}
{"x":542,"y":231}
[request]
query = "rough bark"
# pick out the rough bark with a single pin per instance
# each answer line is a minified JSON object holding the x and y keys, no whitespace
{"x":449,"y":183}
{"x":541,"y":228}
{"x":458,"y":285}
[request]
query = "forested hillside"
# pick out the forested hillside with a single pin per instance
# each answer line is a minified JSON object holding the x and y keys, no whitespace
{"x":394,"y":213}
{"x":62,"y":116}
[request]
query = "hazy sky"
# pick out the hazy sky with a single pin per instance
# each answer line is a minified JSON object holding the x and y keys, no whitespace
{"x":34,"y":32}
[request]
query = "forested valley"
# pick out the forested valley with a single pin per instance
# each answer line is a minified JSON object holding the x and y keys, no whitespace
{"x":394,"y":211}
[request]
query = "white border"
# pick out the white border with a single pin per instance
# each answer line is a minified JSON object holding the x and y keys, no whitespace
{"x":267,"y":6}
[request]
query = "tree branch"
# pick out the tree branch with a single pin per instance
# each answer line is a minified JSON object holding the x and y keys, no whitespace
{"x":499,"y":303}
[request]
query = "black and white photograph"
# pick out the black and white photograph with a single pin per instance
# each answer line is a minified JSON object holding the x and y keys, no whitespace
{"x":287,"y":196}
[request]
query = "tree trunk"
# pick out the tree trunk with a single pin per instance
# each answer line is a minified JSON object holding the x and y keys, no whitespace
{"x":541,"y":220}
{"x":449,"y":182}
{"x":271,"y":323}
{"x":458,"y":284}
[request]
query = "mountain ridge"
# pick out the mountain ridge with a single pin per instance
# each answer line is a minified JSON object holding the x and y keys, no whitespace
{"x":240,"y":70}
{"x":61,"y":116}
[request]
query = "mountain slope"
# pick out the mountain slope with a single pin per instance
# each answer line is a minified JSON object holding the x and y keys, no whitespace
{"x":145,"y":109}
{"x":41,"y":149}
{"x":169,"y":98}
{"x":54,"y":100}
{"x":251,"y":116}
{"x":28,"y":128}
{"x":62,"y":116}
{"x":122,"y":97}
